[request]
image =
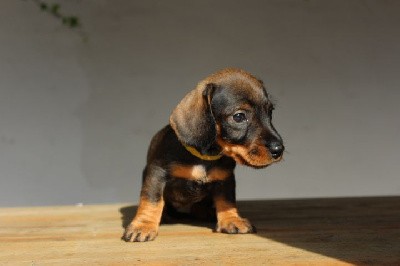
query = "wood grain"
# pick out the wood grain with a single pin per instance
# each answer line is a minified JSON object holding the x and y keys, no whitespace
{"x":352,"y":231}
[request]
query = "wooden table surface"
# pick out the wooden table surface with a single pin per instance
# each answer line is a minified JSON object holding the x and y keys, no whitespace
{"x":349,"y":231}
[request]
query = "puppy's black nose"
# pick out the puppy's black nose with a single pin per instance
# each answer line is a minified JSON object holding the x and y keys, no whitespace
{"x":276,"y":149}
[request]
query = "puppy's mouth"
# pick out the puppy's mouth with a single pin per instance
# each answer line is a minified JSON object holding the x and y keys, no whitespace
{"x":256,"y":157}
{"x":257,"y":164}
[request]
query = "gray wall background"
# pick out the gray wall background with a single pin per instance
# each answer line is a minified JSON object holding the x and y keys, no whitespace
{"x":79,"y":107}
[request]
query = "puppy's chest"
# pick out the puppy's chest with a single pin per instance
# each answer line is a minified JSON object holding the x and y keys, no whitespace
{"x":199,"y":173}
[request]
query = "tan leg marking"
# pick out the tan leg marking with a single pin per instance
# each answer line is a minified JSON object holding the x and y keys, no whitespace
{"x":144,"y":226}
{"x":229,"y":220}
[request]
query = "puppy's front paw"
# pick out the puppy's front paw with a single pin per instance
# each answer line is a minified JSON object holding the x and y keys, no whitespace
{"x":140,"y":233}
{"x":235,"y":225}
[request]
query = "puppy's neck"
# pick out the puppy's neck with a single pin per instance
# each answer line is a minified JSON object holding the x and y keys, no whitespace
{"x":211,"y":155}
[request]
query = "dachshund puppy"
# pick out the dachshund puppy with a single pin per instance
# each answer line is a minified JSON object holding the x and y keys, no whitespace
{"x":225,"y":120}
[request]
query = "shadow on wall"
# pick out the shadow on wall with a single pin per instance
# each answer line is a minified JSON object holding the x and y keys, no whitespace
{"x":115,"y":134}
{"x":114,"y":146}
{"x":109,"y":138}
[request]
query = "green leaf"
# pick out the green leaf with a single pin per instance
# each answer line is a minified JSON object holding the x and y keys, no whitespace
{"x":73,"y":22}
{"x":43,"y":6}
{"x":55,"y":8}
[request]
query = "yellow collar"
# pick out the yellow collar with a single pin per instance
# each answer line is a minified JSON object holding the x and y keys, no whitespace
{"x":196,"y":153}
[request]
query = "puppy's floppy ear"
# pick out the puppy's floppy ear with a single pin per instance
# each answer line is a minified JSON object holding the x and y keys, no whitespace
{"x":192,"y":119}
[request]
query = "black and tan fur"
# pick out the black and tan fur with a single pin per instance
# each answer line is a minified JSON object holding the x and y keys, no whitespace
{"x":226,"y":119}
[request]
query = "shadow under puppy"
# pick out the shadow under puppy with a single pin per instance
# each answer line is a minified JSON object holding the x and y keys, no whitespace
{"x":225,"y":120}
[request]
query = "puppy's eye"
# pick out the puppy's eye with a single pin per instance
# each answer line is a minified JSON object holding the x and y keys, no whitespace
{"x":239,"y":117}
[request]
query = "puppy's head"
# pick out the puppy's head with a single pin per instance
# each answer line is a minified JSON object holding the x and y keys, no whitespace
{"x":229,"y":112}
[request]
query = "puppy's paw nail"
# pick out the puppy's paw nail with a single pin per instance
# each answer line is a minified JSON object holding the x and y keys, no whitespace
{"x":235,"y":225}
{"x":140,"y":233}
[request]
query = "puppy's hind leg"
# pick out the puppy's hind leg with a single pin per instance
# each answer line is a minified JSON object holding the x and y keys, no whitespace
{"x":144,"y":227}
